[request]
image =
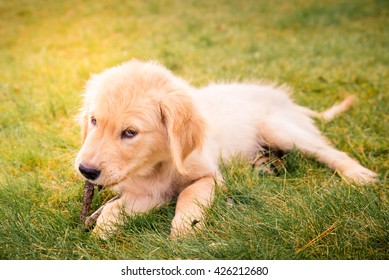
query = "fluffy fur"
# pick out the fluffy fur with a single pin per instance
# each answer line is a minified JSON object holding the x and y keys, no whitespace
{"x":151,"y":136}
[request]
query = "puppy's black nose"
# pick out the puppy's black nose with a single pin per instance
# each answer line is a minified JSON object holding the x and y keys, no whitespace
{"x":88,"y":172}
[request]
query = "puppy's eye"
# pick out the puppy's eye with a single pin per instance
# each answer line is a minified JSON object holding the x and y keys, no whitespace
{"x":93,"y":121}
{"x":129,"y":133}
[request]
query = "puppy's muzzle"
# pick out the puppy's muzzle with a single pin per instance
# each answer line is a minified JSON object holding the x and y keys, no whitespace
{"x":89,"y":172}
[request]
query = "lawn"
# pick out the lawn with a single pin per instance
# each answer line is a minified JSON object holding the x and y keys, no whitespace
{"x":324,"y":50}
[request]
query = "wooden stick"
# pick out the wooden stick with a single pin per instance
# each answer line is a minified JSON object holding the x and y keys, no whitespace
{"x":89,"y":190}
{"x":87,"y":197}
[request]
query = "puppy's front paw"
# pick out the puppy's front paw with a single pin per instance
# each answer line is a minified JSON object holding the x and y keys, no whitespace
{"x":360,"y":176}
{"x":100,"y":233}
{"x":107,"y":223}
{"x":104,"y":230}
{"x":184,"y":227}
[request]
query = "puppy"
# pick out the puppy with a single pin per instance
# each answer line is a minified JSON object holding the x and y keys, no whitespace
{"x":150,"y":136}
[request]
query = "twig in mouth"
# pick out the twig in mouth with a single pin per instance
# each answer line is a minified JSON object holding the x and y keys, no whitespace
{"x":87,"y":196}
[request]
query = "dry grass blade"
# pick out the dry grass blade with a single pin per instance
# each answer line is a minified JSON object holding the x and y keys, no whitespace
{"x":319,"y":237}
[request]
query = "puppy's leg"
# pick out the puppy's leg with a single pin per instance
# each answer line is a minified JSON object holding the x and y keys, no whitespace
{"x":190,"y":206}
{"x":110,"y":217}
{"x":285,"y":135}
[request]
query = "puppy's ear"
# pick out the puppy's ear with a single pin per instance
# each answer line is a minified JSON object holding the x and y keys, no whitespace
{"x":185,"y":126}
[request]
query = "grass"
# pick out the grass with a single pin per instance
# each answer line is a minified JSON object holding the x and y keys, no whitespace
{"x":323,"y":49}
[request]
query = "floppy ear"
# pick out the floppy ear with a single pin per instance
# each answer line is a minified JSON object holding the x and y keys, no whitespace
{"x":185,"y":127}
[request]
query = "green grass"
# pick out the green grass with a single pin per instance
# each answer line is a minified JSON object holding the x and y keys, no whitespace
{"x":323,"y":49}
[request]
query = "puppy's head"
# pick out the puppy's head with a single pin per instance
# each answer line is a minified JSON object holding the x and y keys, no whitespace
{"x":135,"y":118}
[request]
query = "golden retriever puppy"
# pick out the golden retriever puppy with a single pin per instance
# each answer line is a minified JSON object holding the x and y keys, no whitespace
{"x":150,"y":136}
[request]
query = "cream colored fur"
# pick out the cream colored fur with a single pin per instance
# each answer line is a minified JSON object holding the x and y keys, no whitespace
{"x":183,"y":132}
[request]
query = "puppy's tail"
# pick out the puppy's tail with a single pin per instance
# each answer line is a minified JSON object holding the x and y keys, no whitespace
{"x":333,"y":111}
